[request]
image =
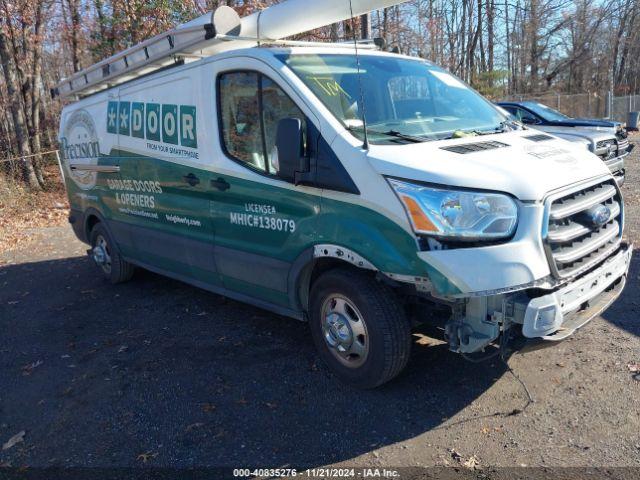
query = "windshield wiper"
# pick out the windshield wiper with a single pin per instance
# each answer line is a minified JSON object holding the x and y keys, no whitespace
{"x":395,"y":134}
{"x":504,"y":126}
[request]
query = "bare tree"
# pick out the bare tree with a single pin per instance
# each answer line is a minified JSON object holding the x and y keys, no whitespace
{"x":17,"y":108}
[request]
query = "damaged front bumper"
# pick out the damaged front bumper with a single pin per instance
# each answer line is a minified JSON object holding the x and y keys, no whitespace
{"x":557,"y":315}
{"x":479,"y":321}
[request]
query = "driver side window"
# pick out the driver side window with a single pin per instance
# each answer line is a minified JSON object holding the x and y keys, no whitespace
{"x":250,"y":105}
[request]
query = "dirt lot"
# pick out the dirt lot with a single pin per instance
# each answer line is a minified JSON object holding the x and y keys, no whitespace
{"x":23,"y":212}
{"x":155,"y":373}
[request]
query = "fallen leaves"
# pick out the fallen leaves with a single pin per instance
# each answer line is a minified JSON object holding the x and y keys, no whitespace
{"x":145,"y":457}
{"x":21,"y":210}
{"x":472,"y":463}
{"x":29,"y":368}
{"x":208,"y":407}
{"x":486,"y":430}
{"x":455,"y":455}
{"x":17,"y":438}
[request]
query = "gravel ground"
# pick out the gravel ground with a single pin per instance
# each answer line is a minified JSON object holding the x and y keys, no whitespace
{"x":155,"y":373}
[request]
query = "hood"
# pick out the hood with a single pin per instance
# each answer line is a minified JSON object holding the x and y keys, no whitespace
{"x":608,"y":123}
{"x":584,"y":122}
{"x":586,"y":137}
{"x":524,"y":168}
{"x":572,"y":134}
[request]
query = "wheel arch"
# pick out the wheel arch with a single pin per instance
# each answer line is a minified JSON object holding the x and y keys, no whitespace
{"x":317,"y":260}
{"x":92,"y":217}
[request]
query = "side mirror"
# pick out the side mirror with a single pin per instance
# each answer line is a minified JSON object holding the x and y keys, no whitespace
{"x":530,"y":120}
{"x":287,"y":156}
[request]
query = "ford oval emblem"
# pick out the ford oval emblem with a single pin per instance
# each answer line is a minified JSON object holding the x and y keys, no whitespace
{"x":599,"y":215}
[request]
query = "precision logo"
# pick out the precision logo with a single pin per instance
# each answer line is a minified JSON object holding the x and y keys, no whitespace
{"x":174,"y":124}
{"x":79,"y":144}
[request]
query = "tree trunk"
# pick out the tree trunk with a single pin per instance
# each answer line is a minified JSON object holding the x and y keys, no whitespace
{"x":508,"y":52}
{"x":73,"y":23}
{"x":35,"y":93}
{"x":385,"y":26}
{"x":17,"y":113}
{"x":334,"y":32}
{"x":534,"y":54}
{"x":365,"y":26}
{"x":491,"y":7}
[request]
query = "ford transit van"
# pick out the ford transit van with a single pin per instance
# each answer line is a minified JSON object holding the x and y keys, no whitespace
{"x":360,"y":191}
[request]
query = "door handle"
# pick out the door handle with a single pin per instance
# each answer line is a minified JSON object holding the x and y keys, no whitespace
{"x":94,"y":168}
{"x":221,"y":184}
{"x":191,"y":179}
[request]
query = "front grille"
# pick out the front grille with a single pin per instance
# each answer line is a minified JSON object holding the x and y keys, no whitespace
{"x":585,"y":227}
{"x":607,"y":149}
{"x":623,"y":146}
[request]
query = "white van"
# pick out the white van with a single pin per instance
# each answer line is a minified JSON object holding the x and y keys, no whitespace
{"x":251,"y":173}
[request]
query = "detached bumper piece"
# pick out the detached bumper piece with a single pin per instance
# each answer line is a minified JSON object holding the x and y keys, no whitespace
{"x":559,"y":314}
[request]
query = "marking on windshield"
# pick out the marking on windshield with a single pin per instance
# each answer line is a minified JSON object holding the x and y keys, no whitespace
{"x":330,"y":86}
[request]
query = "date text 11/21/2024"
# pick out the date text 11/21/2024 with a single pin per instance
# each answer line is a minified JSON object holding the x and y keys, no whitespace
{"x":320,"y":472}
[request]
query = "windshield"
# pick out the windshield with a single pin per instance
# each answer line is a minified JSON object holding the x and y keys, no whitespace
{"x":548,"y":113}
{"x":404,"y":99}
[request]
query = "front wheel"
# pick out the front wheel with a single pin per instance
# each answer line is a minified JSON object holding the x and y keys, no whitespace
{"x":359,"y":327}
{"x":105,"y":254}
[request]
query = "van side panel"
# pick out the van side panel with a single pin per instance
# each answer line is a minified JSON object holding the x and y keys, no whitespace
{"x":166,"y":213}
{"x":83,"y":145}
{"x":165,"y":188}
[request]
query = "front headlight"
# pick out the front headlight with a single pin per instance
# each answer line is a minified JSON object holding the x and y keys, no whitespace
{"x":457,"y":214}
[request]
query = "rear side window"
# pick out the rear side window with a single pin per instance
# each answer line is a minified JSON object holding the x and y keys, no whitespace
{"x":250,"y":106}
{"x":239,"y":112}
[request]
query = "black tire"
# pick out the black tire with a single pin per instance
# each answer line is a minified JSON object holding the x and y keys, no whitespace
{"x":118,"y":270}
{"x":388,"y":330}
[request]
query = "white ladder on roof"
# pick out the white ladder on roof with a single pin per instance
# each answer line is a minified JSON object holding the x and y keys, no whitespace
{"x":164,"y":50}
{"x":212,"y":33}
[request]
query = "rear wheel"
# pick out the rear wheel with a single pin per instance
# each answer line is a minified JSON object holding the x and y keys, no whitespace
{"x":359,"y":327}
{"x":106,"y":256}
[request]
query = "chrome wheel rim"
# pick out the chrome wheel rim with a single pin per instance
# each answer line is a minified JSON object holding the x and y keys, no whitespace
{"x":102,"y":254}
{"x":344,"y":331}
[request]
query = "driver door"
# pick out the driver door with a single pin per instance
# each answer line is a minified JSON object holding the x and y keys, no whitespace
{"x":262,"y":223}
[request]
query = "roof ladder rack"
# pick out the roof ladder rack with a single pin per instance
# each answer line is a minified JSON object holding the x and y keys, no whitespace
{"x":159,"y":52}
{"x":216,"y":32}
